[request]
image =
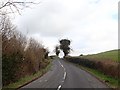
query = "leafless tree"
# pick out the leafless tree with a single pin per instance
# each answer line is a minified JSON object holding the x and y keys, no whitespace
{"x":11,"y":6}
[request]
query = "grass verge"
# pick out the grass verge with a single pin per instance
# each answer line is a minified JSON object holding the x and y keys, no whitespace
{"x":28,"y":79}
{"x":110,"y":81}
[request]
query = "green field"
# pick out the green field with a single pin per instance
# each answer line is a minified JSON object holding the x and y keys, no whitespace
{"x":108,"y":55}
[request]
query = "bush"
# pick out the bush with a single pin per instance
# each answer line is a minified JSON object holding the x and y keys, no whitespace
{"x":10,"y":66}
{"x":108,"y":68}
{"x":19,"y":56}
{"x":81,"y":61}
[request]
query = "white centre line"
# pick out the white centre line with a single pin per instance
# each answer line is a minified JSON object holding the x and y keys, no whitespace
{"x":64,"y":75}
{"x":59,"y":87}
{"x":60,"y":63}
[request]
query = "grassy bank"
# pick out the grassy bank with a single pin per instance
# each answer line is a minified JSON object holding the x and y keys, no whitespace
{"x":103,"y":56}
{"x":110,"y":81}
{"x":27,"y":79}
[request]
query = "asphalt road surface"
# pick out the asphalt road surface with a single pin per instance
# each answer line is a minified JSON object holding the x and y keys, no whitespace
{"x":66,"y":75}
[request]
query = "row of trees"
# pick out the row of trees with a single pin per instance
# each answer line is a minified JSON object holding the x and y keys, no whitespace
{"x":20,"y":56}
{"x":64,"y":46}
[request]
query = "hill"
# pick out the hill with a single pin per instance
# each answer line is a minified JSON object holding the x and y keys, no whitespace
{"x":111,"y":55}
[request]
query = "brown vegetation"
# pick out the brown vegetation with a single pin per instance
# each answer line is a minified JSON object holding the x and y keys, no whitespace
{"x":107,"y":67}
{"x":20,"y":57}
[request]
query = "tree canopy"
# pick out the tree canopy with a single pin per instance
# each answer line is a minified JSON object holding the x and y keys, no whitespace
{"x":65,"y":46}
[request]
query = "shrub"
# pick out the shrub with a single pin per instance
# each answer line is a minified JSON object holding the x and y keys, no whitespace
{"x":19,"y":56}
{"x":108,"y":68}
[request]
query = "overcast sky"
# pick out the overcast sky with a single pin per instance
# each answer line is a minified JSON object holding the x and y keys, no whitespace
{"x":91,"y":25}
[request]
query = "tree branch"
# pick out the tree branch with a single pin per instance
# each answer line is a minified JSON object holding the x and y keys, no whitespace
{"x":15,"y":4}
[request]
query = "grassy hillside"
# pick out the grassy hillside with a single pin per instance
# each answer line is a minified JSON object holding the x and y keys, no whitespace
{"x":108,"y":55}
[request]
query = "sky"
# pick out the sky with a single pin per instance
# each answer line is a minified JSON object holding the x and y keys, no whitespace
{"x":91,"y":25}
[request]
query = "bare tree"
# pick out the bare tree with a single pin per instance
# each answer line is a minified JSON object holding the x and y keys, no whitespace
{"x":14,"y":6}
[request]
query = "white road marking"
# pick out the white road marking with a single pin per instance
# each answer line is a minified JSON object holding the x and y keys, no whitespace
{"x":60,"y":63}
{"x":64,"y":75}
{"x":62,"y":66}
{"x":59,"y":87}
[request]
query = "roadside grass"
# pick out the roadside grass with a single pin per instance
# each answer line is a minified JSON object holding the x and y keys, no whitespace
{"x":108,"y":55}
{"x":110,"y":81}
{"x":28,"y":79}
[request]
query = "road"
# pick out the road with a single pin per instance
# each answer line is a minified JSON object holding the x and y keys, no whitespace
{"x":66,"y":75}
